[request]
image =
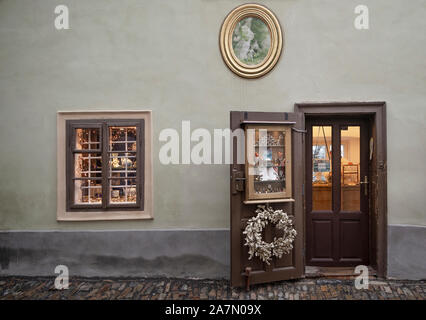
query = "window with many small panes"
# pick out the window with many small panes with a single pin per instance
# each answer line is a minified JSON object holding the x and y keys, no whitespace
{"x":105,"y":164}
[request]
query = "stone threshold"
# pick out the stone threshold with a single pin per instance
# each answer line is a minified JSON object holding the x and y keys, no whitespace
{"x":336,"y":272}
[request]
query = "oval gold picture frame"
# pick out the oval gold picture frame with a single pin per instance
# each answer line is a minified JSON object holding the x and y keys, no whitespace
{"x":225,"y":40}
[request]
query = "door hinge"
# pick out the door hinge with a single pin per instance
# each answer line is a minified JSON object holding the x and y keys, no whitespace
{"x":381,"y":165}
{"x":238,"y":181}
{"x":299,"y":130}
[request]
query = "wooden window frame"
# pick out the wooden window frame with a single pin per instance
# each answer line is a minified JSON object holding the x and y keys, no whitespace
{"x":66,"y":209}
{"x":104,"y":126}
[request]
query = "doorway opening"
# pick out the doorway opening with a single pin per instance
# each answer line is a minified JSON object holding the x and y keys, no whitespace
{"x":345,"y":187}
{"x":336,"y":210}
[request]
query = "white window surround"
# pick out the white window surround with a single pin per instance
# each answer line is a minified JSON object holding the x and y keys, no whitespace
{"x":62,"y":214}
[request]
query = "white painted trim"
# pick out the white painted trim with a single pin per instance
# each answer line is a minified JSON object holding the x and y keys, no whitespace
{"x":61,"y":213}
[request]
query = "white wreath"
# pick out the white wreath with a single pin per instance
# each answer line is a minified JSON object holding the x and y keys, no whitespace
{"x":253,"y":232}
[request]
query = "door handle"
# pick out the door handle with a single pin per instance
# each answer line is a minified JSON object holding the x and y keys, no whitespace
{"x":365,"y":187}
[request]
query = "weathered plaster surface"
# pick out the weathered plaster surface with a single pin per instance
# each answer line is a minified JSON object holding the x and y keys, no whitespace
{"x":164,"y":56}
{"x":407,"y":252}
{"x":148,"y":253}
{"x":170,"y":253}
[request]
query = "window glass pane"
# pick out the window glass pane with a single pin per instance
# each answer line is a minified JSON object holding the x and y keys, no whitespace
{"x":122,"y":190}
{"x":87,"y":139}
{"x":321,"y":168}
{"x":122,"y":162}
{"x":350,"y":168}
{"x":87,"y":165}
{"x":122,"y":165}
{"x":131,"y":134}
{"x":269,"y":161}
{"x":131,"y":146}
{"x":122,"y":139}
{"x":87,"y":192}
{"x":122,"y":179}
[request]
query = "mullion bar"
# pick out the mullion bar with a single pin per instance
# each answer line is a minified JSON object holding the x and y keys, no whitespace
{"x":140,"y":147}
{"x":105,"y":169}
{"x":336,"y":198}
{"x":121,"y":151}
{"x":92,"y":158}
{"x":336,"y":165}
{"x":129,"y":185}
{"x":74,"y":151}
{"x":124,"y":141}
{"x":121,"y":171}
{"x":91,"y":187}
{"x":90,"y":169}
{"x":125,"y":167}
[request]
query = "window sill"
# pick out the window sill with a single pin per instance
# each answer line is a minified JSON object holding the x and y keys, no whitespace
{"x":104,"y":216}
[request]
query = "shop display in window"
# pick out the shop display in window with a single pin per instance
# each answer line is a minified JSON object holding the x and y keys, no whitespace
{"x":268,"y":164}
{"x":122,"y":164}
{"x":87,"y":167}
{"x":103,"y":164}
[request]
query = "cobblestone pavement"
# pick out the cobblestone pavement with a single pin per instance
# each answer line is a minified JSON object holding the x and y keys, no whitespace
{"x":106,"y":289}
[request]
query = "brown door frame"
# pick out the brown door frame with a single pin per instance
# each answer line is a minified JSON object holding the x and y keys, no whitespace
{"x":378,"y":171}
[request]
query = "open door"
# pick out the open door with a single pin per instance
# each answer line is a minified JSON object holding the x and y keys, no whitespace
{"x":279,"y":185}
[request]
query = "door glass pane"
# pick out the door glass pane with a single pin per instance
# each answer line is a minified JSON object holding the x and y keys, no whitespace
{"x":350,"y":168}
{"x":269,"y":161}
{"x":321,"y":168}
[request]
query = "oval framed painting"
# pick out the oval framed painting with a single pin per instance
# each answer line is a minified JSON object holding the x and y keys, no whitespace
{"x":251,"y":40}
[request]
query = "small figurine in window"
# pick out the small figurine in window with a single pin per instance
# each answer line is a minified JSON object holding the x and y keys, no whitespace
{"x":115,"y":163}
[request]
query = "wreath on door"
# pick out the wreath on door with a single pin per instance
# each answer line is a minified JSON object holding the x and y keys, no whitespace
{"x":254,"y":240}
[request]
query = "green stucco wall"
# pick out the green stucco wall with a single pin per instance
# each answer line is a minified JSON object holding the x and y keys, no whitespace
{"x":164,"y":56}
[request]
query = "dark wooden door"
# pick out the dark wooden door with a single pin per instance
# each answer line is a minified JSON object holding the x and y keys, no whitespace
{"x":289,"y":266}
{"x":337,"y":157}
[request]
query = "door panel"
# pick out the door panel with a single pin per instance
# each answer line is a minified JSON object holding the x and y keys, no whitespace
{"x":289,"y":266}
{"x":322,"y":231}
{"x":349,"y":231}
{"x":336,"y":197}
